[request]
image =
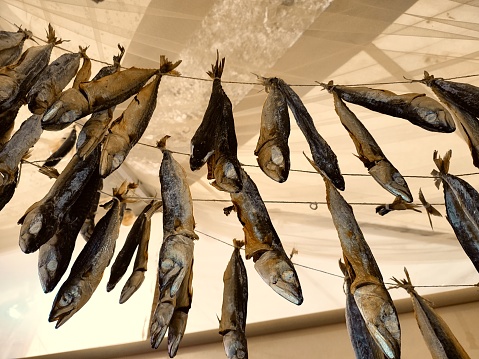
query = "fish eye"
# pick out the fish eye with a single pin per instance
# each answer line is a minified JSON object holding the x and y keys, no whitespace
{"x":65,"y":299}
{"x":398,"y":179}
{"x":288,"y":276}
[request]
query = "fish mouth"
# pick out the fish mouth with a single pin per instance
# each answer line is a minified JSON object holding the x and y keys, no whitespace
{"x":390,"y":179}
{"x":161,"y":320}
{"x":61,"y":315}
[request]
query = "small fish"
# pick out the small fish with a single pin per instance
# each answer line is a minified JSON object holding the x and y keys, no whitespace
{"x":323,"y":156}
{"x":55,"y":255}
{"x":17,"y":79}
{"x":367,"y":286}
{"x":272,"y":148}
{"x":63,"y":150}
{"x":88,"y":268}
{"x":363,"y":344}
{"x":430,"y":210}
{"x":126,"y":130}
{"x":370,"y":153}
{"x":418,"y":109}
{"x":52,"y":81}
{"x":234,"y":307}
{"x":11,"y":45}
{"x":398,"y":205}
{"x":263,"y":244}
{"x":41,"y":220}
{"x":89,"y":224}
{"x":439,"y":339}
{"x":462,"y":210}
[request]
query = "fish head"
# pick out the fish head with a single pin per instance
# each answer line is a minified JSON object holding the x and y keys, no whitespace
{"x":235,"y":345}
{"x":390,"y":178}
{"x":278,"y":272}
{"x":38,"y":226}
{"x":227,"y":176}
{"x":434,"y":114}
{"x":380,"y":316}
{"x":197,"y":156}
{"x":70,"y":298}
{"x":274,"y":162}
{"x":71,"y":106}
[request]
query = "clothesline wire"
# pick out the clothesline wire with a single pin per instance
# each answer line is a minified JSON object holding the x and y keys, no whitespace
{"x":317,"y":84}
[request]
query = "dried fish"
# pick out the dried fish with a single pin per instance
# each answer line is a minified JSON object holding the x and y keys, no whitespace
{"x":323,"y":156}
{"x":7,"y":122}
{"x":418,"y":109}
{"x":367,"y":286}
{"x":234,"y":308}
{"x":370,"y":153}
{"x":89,"y":224}
{"x":439,"y":338}
{"x":11,"y":45}
{"x":126,"y":130}
{"x":84,"y":73}
{"x":461,"y":201}
{"x":398,"y":205}
{"x":363,"y":344}
{"x":63,"y":150}
{"x":430,"y":210}
{"x":87,"y":271}
{"x":263,"y":244}
{"x":41,"y":220}
{"x":17,"y":79}
{"x":272,"y":148}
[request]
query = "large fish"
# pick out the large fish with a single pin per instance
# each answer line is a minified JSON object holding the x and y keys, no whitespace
{"x":263,"y":244}
{"x":126,"y":130}
{"x":234,"y":307}
{"x":12,"y":153}
{"x":369,"y":152}
{"x":272,"y":148}
{"x":363,"y":344}
{"x":367,"y":286}
{"x":87,"y":271}
{"x":439,"y":338}
{"x":418,"y":109}
{"x":323,"y":156}
{"x":462,"y":207}
{"x":215,"y":139}
{"x":17,"y":79}
{"x":41,"y":220}
{"x":55,"y":255}
{"x":52,"y":81}
{"x":11,"y":45}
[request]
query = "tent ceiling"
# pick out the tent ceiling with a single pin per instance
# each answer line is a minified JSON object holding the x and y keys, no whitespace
{"x":300,"y":41}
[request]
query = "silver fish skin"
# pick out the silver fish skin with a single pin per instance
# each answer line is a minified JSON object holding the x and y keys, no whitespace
{"x":363,"y":344}
{"x":418,"y":109}
{"x":367,"y":287}
{"x":17,"y":79}
{"x":234,"y":307}
{"x":272,"y":148}
{"x":87,"y":271}
{"x":262,"y":243}
{"x":41,"y":220}
{"x":369,"y":152}
{"x":439,"y":338}
{"x":462,"y":211}
{"x":55,"y":255}
{"x":63,"y":150}
{"x":52,"y":81}
{"x":11,"y":45}
{"x":323,"y":156}
{"x":398,"y":205}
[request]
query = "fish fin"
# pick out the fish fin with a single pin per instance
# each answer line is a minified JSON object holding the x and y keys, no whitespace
{"x":168,"y":67}
{"x":217,"y":69}
{"x":83,"y":52}
{"x":51,"y":172}
{"x":117,"y":58}
{"x":443,"y":163}
{"x":161,"y":144}
{"x":228,"y":210}
{"x":238,"y":243}
{"x":438,"y":179}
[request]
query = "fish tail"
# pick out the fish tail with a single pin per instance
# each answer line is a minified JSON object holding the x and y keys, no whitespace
{"x":238,"y":243}
{"x":442,"y":164}
{"x":51,"y":38}
{"x":168,"y":67}
{"x":121,"y":192}
{"x":161,"y":144}
{"x":217,"y":69}
{"x":117,"y":58}
{"x":404,"y":283}
{"x":328,"y":87}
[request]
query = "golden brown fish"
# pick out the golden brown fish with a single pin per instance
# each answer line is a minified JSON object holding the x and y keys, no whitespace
{"x":11,"y":45}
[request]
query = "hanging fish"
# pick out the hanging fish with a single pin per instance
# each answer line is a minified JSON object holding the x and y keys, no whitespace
{"x":12,"y":153}
{"x":89,"y":224}
{"x":84,"y":73}
{"x":272,"y":148}
{"x":367,"y":286}
{"x":234,"y":307}
{"x":139,"y":230}
{"x":323,"y":156}
{"x":363,"y":343}
{"x":215,"y":141}
{"x":126,"y":130}
{"x":430,"y":210}
{"x":55,"y":255}
{"x":63,"y":150}
{"x":41,"y":220}
{"x":439,"y":339}
{"x":52,"y":81}
{"x":370,"y":153}
{"x":418,"y":109}
{"x":95,"y":129}
{"x":462,"y":209}
{"x":11,"y":45}
{"x":88,"y":268}
{"x":17,"y":79}
{"x":263,"y":244}
{"x":398,"y":205}
{"x":7,"y":122}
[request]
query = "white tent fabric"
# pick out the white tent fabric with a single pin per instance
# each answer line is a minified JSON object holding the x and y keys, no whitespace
{"x":300,"y":41}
